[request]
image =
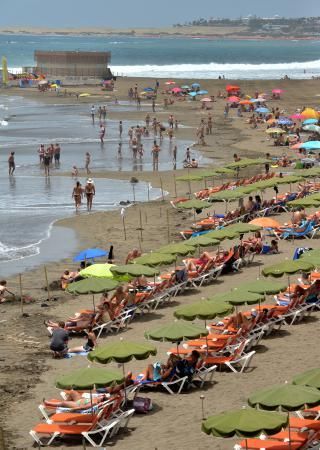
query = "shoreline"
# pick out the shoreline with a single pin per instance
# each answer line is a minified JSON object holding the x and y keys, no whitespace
{"x":31,"y":369}
{"x":164,"y":34}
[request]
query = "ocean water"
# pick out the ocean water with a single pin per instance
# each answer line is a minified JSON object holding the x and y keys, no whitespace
{"x":25,"y":124}
{"x":31,"y":203}
{"x":169,"y":57}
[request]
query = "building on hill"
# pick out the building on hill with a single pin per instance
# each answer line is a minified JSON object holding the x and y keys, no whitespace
{"x":73,"y":64}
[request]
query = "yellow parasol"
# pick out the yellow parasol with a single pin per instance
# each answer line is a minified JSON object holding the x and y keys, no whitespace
{"x":85,"y":94}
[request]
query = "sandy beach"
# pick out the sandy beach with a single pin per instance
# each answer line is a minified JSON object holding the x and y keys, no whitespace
{"x":27,"y":370}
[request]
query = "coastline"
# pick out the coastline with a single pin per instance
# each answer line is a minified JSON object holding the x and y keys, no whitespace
{"x":29,"y":366}
{"x":168,"y":32}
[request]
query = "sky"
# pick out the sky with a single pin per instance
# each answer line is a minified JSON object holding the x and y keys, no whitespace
{"x":141,"y":13}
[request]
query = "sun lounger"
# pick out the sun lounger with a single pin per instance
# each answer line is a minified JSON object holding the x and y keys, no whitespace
{"x":99,"y":427}
{"x":268,"y":444}
{"x":173,"y":386}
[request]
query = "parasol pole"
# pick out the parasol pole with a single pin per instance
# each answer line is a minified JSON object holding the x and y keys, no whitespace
{"x":168,"y":226}
{"x":141,"y":228}
{"x":189,"y":183}
{"x":161,"y":186}
{"x":93,"y":302}
{"x":47,"y":282}
{"x":175,"y":186}
{"x":20,"y":288}
{"x":124,"y":385}
{"x":134,"y":192}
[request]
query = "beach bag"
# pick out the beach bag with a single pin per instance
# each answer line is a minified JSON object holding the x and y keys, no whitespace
{"x":142,"y":405}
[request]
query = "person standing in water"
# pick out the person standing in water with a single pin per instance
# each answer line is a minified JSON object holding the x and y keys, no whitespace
{"x":11,"y":163}
{"x":120,"y":129}
{"x":102,"y":133}
{"x":93,"y":112}
{"x":77,"y":194}
{"x":57,"y":152}
{"x":87,"y":162}
{"x":46,"y":163}
{"x":89,"y":191}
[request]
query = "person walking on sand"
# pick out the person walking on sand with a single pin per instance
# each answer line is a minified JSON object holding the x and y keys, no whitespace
{"x":11,"y":163}
{"x":93,"y":112}
{"x":77,"y":194}
{"x":102,"y":133}
{"x":89,"y":191}
{"x":120,"y":129}
{"x":87,"y":162}
{"x":46,"y":163}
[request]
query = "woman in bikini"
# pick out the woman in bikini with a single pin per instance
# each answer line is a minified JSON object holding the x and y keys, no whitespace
{"x":90,"y":191}
{"x":75,"y":400}
{"x":77,"y":194}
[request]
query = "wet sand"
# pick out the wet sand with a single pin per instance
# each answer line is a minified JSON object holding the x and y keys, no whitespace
{"x":27,"y":370}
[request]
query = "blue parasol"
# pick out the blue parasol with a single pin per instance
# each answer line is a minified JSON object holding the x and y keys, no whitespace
{"x":90,"y":253}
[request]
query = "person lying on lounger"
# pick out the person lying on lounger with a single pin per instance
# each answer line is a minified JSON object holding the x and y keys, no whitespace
{"x":81,"y":321}
{"x":76,"y":401}
{"x":161,"y":372}
{"x":194,"y":265}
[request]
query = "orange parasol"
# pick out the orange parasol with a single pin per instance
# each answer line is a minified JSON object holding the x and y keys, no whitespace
{"x":230,"y":88}
{"x":265,"y":222}
{"x":245,"y":102}
{"x":310,"y":113}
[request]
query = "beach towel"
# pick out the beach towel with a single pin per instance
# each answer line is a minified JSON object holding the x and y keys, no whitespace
{"x":71,"y":355}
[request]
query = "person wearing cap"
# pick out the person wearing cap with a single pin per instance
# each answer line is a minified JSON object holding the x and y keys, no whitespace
{"x":89,"y":191}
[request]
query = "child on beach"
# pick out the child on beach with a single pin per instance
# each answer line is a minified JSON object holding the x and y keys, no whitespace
{"x":74,"y":172}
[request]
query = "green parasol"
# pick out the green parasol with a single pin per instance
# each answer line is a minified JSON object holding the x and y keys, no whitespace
{"x":288,"y":268}
{"x":97,"y":270}
{"x":312,"y":256}
{"x":224,"y":170}
{"x":309,"y":378}
{"x":265,"y":287}
{"x":289,"y":179}
{"x":89,"y":378}
{"x":285,"y":396}
{"x":204,"y":310}
{"x":190,"y":178}
{"x":121,"y":352}
{"x":135,"y":270}
{"x":176,"y":332}
{"x":193,"y":204}
{"x":247,"y":162}
{"x":227,"y":195}
{"x":183,"y":249}
{"x":314,"y":172}
{"x":155,"y":259}
{"x":93,"y":285}
{"x":240,"y":228}
{"x":203,"y":241}
{"x":259,"y":186}
{"x":224,"y":233}
{"x":246,"y":422}
{"x":306,"y":202}
{"x":238,"y":297}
